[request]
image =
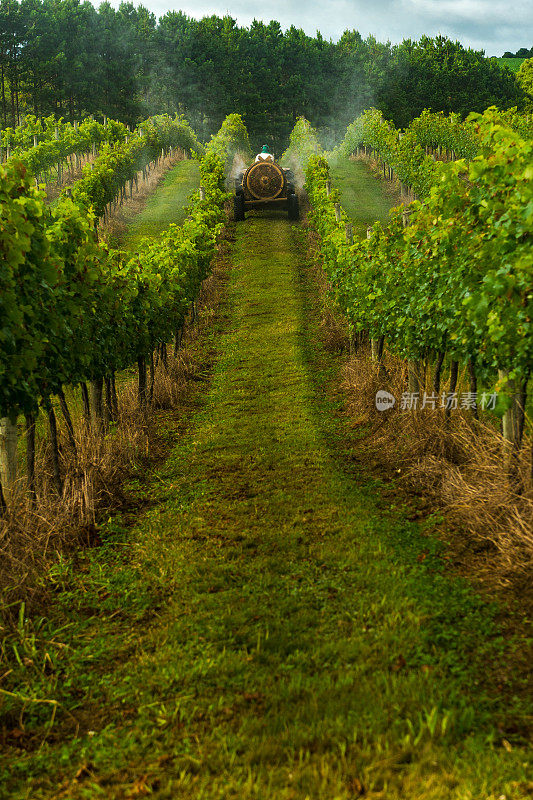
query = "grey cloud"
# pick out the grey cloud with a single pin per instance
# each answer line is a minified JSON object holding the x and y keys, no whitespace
{"x":490,"y":25}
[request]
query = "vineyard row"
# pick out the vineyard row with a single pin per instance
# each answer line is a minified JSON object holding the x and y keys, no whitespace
{"x":450,"y":277}
{"x":412,"y":155}
{"x":75,"y":312}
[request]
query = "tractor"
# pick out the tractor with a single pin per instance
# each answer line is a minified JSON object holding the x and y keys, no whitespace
{"x":265,"y":185}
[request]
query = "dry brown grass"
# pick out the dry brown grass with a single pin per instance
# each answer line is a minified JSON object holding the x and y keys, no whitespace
{"x":459,"y":463}
{"x":34,"y":535}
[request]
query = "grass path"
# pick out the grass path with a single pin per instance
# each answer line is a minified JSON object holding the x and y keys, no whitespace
{"x":167,"y":204}
{"x":362,"y":196}
{"x":268,"y":630}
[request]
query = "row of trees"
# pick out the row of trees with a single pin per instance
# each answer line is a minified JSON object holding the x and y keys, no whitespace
{"x":523,"y":52}
{"x":68,"y":58}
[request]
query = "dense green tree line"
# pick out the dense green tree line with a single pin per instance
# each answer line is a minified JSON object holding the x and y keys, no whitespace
{"x":523,"y":52}
{"x":68,"y":58}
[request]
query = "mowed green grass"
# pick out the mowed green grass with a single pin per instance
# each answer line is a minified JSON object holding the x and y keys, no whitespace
{"x":513,"y":64}
{"x":362,"y":196}
{"x":166,"y":205}
{"x":269,"y":629}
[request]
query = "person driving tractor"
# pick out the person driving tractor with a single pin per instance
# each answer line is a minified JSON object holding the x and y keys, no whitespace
{"x":265,"y":184}
{"x":265,"y":154}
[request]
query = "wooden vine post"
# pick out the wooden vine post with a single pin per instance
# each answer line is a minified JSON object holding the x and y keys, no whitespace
{"x":30,"y":456}
{"x":413,"y":377}
{"x":54,"y":442}
{"x":452,"y":386}
{"x":97,"y":406}
{"x":8,"y":453}
{"x":141,"y":386}
{"x":349,"y":234}
{"x":513,"y":419}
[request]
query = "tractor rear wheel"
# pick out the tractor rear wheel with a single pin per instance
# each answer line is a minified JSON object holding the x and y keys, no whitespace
{"x":293,"y":206}
{"x":238,"y":207}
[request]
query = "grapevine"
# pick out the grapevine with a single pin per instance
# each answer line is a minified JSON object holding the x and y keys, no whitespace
{"x":459,"y":277}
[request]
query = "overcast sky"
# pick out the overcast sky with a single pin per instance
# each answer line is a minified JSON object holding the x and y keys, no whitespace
{"x":491,"y":25}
